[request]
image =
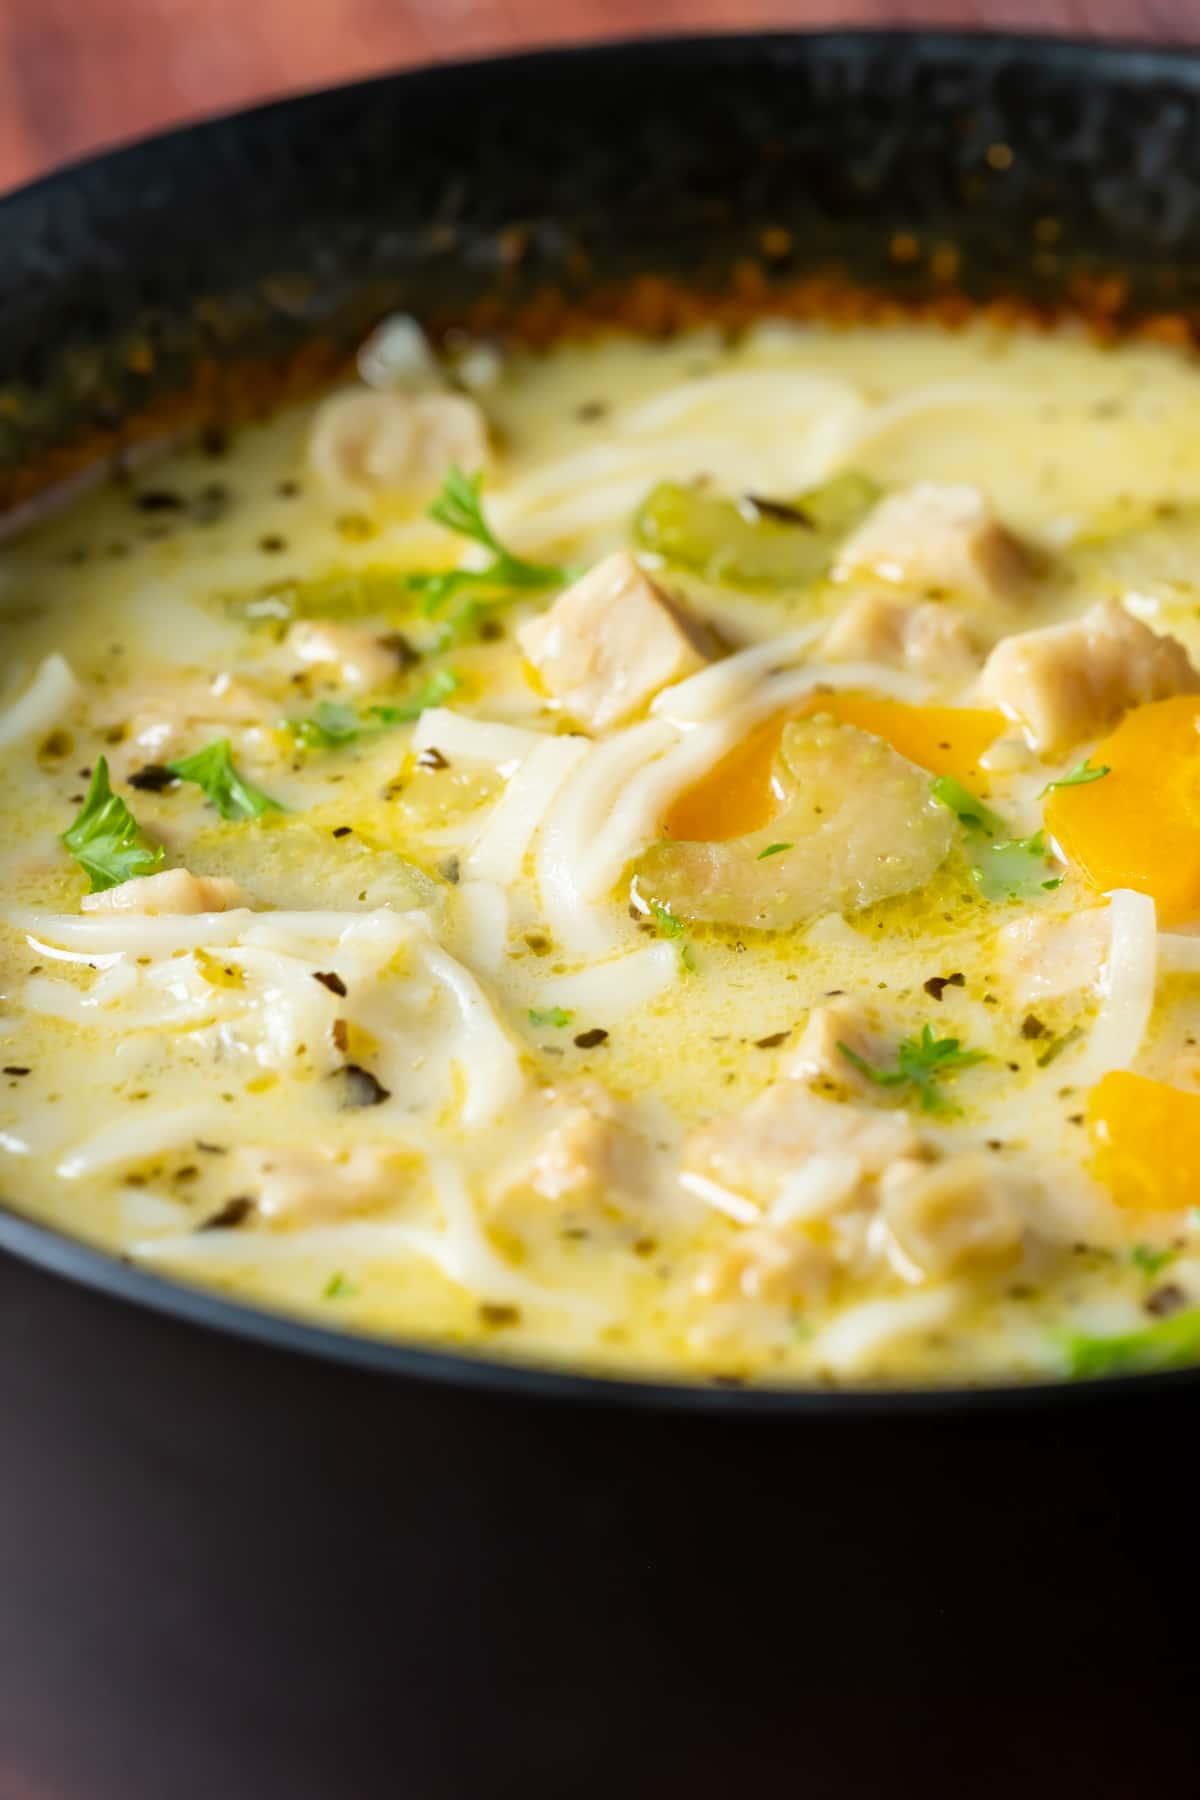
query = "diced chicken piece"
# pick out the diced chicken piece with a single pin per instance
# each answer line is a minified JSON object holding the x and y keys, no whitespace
{"x":160,"y":718}
{"x":360,"y":658}
{"x":753,"y":1153}
{"x":299,"y":1185}
{"x":922,"y":635}
{"x":610,"y":642}
{"x":170,"y":891}
{"x":938,"y":537}
{"x":817,"y":1057}
{"x":364,"y":445}
{"x":1070,"y":682}
{"x":952,"y":1215}
{"x":581,"y":1152}
{"x":1048,"y":957}
{"x":766,"y":1266}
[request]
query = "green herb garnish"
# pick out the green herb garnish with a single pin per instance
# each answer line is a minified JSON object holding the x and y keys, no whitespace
{"x":334,"y":724}
{"x":1150,"y":1260}
{"x":1079,"y":776}
{"x":968,"y":810}
{"x":921,"y":1063}
{"x":338,"y":1288}
{"x":213,"y":770}
{"x":459,"y":507}
{"x":106,"y":840}
{"x":772,"y":850}
{"x":1170,"y":1343}
{"x":1002,"y":867}
{"x":1012,"y":870}
{"x":441,"y":684}
{"x":551,"y":1015}
{"x":671,"y":927}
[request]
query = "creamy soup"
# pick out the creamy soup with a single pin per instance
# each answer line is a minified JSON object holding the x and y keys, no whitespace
{"x":663,"y":858}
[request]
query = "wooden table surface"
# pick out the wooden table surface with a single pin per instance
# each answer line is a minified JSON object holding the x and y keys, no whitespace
{"x":76,"y":75}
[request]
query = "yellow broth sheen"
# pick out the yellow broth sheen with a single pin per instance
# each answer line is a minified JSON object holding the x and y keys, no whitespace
{"x":191,"y":568}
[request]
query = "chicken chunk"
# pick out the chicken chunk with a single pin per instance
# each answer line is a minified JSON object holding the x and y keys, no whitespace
{"x":170,"y":891}
{"x":161,"y":717}
{"x":365,"y":445}
{"x":953,"y":1215}
{"x":754,"y":1152}
{"x":817,"y":1057}
{"x":936,"y":537}
{"x":1049,"y":956}
{"x":580,"y":1154}
{"x":1070,"y":682}
{"x":922,"y":635}
{"x":610,"y":642}
{"x":302,"y":1185}
{"x":361,"y":659}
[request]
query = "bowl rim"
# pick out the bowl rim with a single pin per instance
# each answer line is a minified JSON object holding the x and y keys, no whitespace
{"x":116,"y":1278}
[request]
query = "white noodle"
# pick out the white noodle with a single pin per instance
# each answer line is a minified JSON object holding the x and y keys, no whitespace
{"x":499,"y":851}
{"x":852,"y":1345}
{"x":499,"y":747}
{"x":42,"y":706}
{"x":609,"y":990}
{"x":721,"y":1199}
{"x":141,"y":1137}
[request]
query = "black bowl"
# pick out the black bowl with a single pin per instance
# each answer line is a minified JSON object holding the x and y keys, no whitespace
{"x":243,"y":1556}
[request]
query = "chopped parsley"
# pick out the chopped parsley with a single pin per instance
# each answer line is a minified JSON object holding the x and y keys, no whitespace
{"x":550,"y":1015}
{"x":462,"y":596}
{"x":921,"y":1063}
{"x":335,"y":724}
{"x":1150,"y":1260}
{"x":338,"y":1288}
{"x":671,"y":927}
{"x":106,"y":840}
{"x":441,"y":684}
{"x":1170,"y":1343}
{"x":1079,"y":776}
{"x":1002,"y":867}
{"x":968,"y":810}
{"x":212,"y":769}
{"x":772,"y":850}
{"x":1016,"y":869}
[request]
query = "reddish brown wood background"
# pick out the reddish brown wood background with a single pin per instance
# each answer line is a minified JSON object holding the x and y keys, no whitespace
{"x":78,"y":74}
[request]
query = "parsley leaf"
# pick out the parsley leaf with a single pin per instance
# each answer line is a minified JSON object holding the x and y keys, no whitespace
{"x":552,"y":1015}
{"x":1170,"y":1343}
{"x":335,"y":724}
{"x":1150,"y":1260}
{"x":772,"y":850}
{"x":213,"y":770}
{"x":1079,"y":776}
{"x":1002,"y":868}
{"x":668,"y":925}
{"x":459,"y":507}
{"x":966,"y":808}
{"x":1016,"y":869}
{"x":106,"y":840}
{"x":441,"y":684}
{"x":920,"y":1064}
{"x":671,"y":927}
{"x":338,"y":1288}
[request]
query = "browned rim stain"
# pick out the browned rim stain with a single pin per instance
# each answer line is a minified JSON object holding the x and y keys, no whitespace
{"x":224,"y":391}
